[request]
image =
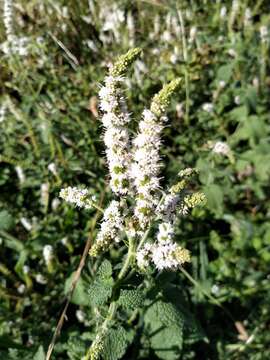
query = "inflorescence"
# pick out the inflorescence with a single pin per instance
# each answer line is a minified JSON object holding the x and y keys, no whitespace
{"x":134,"y":169}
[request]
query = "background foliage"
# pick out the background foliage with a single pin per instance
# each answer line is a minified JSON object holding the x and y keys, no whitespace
{"x":49,"y":116}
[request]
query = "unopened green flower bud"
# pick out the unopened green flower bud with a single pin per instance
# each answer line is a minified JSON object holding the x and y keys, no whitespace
{"x":124,"y":61}
{"x":161,"y":100}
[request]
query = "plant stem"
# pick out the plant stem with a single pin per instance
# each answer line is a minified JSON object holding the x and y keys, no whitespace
{"x":185,"y":56}
{"x":113,"y":305}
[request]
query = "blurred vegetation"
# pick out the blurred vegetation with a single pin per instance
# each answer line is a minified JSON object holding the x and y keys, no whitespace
{"x":51,"y":137}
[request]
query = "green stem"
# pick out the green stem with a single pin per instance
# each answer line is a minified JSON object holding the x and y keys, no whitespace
{"x":128,"y":261}
{"x":113,"y":306}
{"x":185,"y":56}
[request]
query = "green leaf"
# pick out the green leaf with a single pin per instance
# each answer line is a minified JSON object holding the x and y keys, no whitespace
{"x":165,"y":324}
{"x":131,"y":299}
{"x":6,"y":220}
{"x":115,"y":343}
{"x":40,"y":354}
{"x":105,"y":270}
{"x":214,"y":197}
{"x":225,"y":72}
{"x":101,"y":288}
{"x":80,"y":296}
{"x":100,"y":291}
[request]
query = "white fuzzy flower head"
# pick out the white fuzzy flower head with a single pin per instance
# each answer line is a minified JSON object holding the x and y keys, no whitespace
{"x":222,"y":148}
{"x":55,"y":204}
{"x":223,"y":12}
{"x":20,"y":174}
{"x":52,"y":168}
{"x":192,"y":34}
{"x":80,"y":315}
{"x":8,"y":17}
{"x":167,"y":255}
{"x":26,"y":223}
{"x":26,"y":269}
{"x":40,"y":279}
{"x":21,"y":289}
{"x":110,"y":229}
{"x":44,"y":193}
{"x":48,"y":253}
{"x":165,"y":232}
{"x":143,"y":256}
{"x":247,"y":17}
{"x":208,"y":107}
{"x":264,"y":35}
{"x":78,"y":196}
{"x":3,"y":111}
{"x":162,"y":255}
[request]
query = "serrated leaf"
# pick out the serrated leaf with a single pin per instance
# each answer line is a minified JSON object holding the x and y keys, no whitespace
{"x":115,"y":344}
{"x":131,"y":299}
{"x":100,"y":291}
{"x":104,"y":270}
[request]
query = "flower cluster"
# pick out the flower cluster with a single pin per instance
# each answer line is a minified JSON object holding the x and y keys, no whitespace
{"x":165,"y":255}
{"x":110,"y":229}
{"x":79,"y":197}
{"x":14,"y":44}
{"x":115,"y":119}
{"x":146,"y":159}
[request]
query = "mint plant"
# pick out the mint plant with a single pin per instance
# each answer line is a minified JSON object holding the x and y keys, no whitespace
{"x":143,"y":216}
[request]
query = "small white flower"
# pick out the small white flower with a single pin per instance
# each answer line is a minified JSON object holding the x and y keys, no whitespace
{"x":26,"y":269}
{"x":208,"y":107}
{"x":222,"y":84}
{"x":264,"y":34}
{"x":223,"y":12}
{"x":78,"y":196}
{"x":237,"y":100}
{"x":20,"y":174}
{"x":21,"y":289}
{"x":64,"y":241}
{"x":143,"y":256}
{"x":192,"y":34}
{"x":215,"y":289}
{"x":55,"y":203}
{"x":3,"y":111}
{"x":26,"y":224}
{"x":221,"y":147}
{"x":232,"y":53}
{"x":80,"y":315}
{"x":162,"y":255}
{"x":48,"y":253}
{"x":52,"y":168}
{"x":41,"y":279}
{"x":44,"y":191}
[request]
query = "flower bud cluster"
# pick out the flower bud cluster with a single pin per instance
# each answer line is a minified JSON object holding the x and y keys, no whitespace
{"x":110,"y":229}
{"x":78,"y":196}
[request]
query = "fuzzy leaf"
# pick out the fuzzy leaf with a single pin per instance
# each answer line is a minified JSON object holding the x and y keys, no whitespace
{"x":100,"y":291}
{"x":105,"y":270}
{"x":131,"y":299}
{"x":165,"y":324}
{"x":115,"y":343}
